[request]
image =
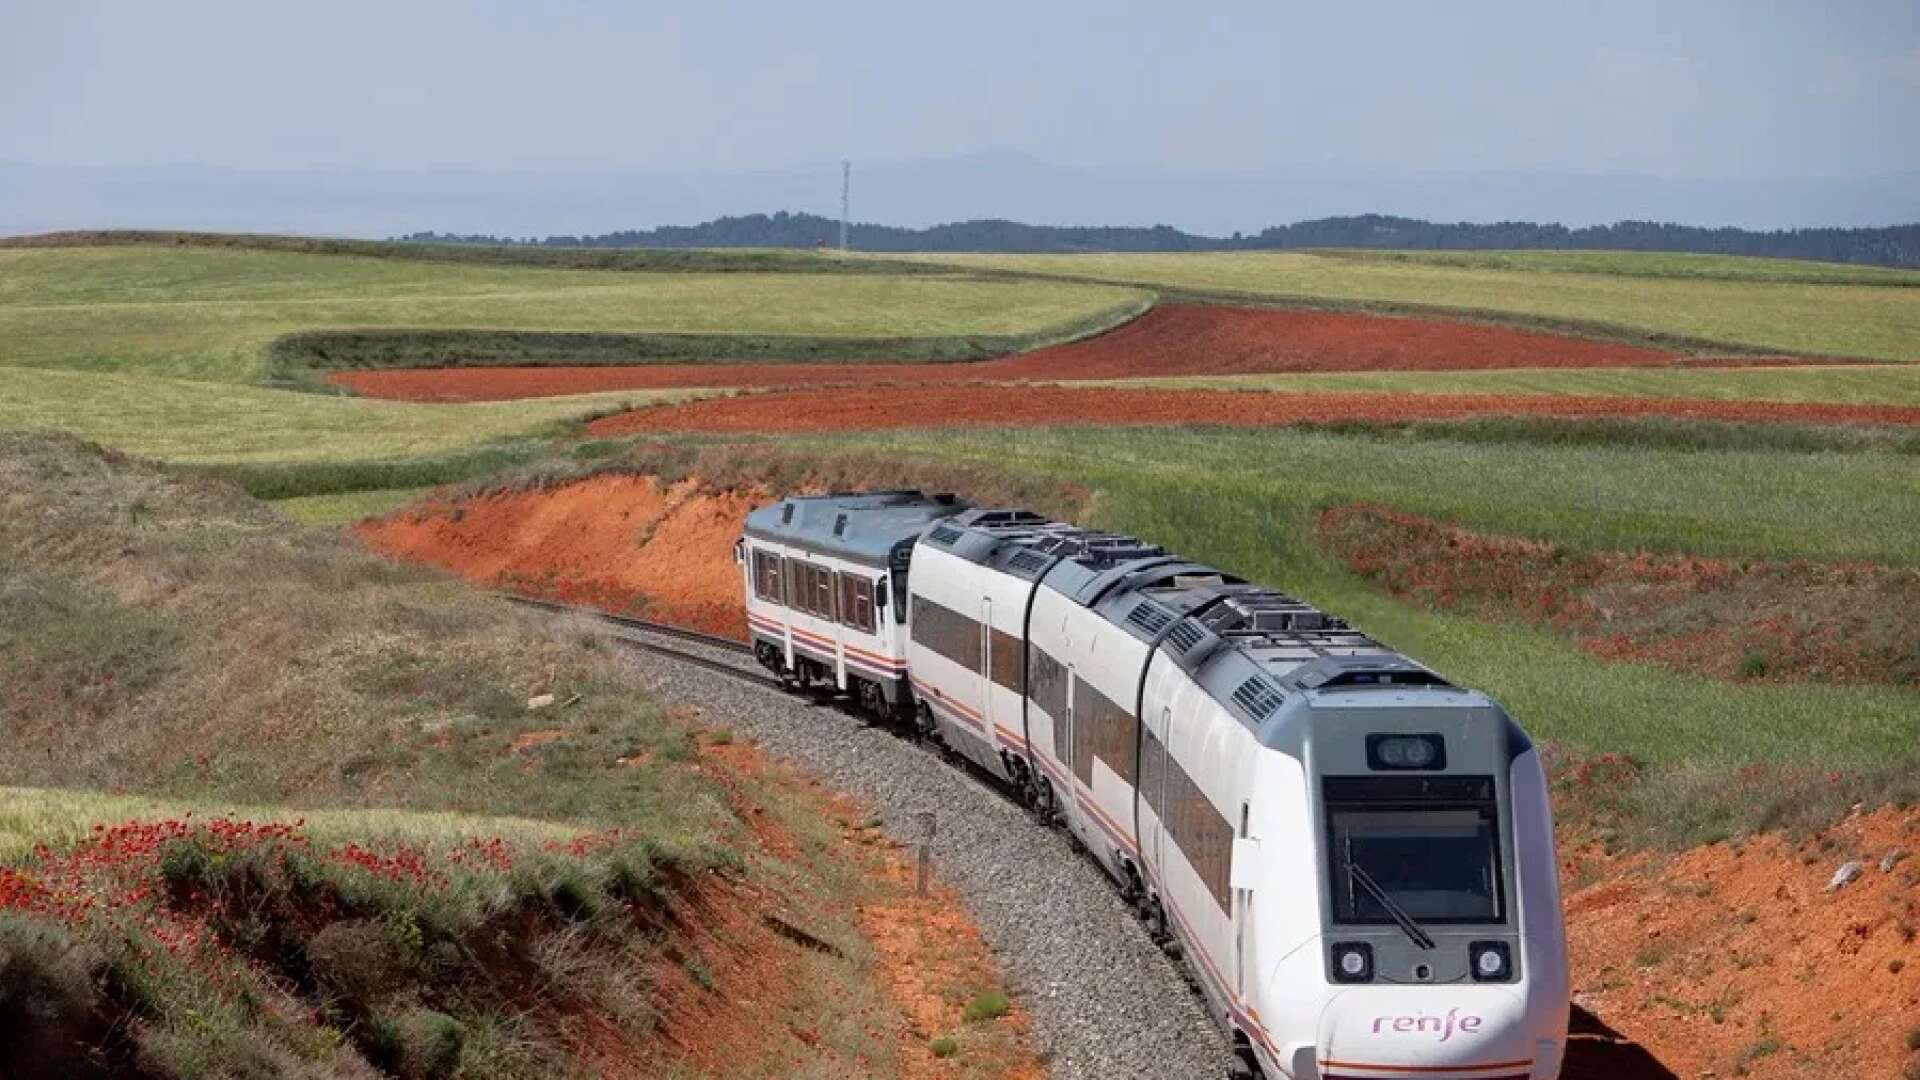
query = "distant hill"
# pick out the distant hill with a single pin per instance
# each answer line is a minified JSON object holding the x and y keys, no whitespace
{"x":1897,"y":245}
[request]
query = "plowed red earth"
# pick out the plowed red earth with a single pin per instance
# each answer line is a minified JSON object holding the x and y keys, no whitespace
{"x":877,"y":408}
{"x":1173,"y":339}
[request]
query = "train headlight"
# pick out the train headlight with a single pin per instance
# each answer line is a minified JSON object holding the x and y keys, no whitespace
{"x":1353,"y":962}
{"x":1406,"y":752}
{"x":1491,"y":961}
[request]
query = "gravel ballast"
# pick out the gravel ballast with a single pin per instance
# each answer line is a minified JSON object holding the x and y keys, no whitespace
{"x":1105,"y":1001}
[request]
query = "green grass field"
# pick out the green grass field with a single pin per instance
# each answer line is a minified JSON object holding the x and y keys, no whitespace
{"x":1750,"y":310}
{"x":1850,"y":384}
{"x":1651,"y":264}
{"x":59,"y":817}
{"x":1246,"y":502}
{"x":210,"y":314}
{"x":209,"y":423}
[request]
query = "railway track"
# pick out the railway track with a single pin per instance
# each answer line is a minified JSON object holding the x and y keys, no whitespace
{"x":664,"y":630}
{"x":753,"y":677}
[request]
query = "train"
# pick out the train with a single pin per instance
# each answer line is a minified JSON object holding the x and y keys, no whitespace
{"x":1352,"y":855}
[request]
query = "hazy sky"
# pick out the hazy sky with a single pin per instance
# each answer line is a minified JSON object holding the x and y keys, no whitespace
{"x":1687,"y":88}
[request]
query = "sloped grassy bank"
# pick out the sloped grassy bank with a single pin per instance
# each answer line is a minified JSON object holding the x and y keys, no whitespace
{"x":162,"y":634}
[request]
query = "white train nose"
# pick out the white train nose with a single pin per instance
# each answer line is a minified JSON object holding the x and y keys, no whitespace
{"x":1433,"y":1032}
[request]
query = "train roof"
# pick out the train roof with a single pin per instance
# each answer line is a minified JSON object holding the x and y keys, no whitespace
{"x":1250,"y":645}
{"x":863,"y":526}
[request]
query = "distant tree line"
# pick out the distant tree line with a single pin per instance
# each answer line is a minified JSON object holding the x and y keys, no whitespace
{"x":1897,"y":245}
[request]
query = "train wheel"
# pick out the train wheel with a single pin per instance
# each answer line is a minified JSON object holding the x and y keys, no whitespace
{"x":924,"y":725}
{"x":1244,"y":1066}
{"x":1043,"y":802}
{"x":872,"y":701}
{"x":1024,"y":790}
{"x":1157,"y":927}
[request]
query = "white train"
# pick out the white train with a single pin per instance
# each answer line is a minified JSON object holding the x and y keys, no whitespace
{"x":1354,"y":857}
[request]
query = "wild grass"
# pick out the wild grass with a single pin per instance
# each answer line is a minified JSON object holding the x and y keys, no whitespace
{"x":1746,"y":315}
{"x":402,"y":881}
{"x":1852,"y":384}
{"x":210,"y":314}
{"x":233,"y":947}
{"x":1247,"y":502}
{"x":214,"y":423}
{"x":58,"y":818}
{"x":345,"y":508}
{"x":168,"y":635}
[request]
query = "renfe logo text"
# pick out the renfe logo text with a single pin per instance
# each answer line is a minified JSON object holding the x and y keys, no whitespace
{"x":1443,"y":1026}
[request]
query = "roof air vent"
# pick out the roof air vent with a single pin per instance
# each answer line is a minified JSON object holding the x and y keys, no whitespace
{"x":1258,"y":697}
{"x":1148,"y":617}
{"x":786,"y":514}
{"x":944,"y":535}
{"x":1027,"y":561}
{"x":1185,"y":636}
{"x":840,"y":525}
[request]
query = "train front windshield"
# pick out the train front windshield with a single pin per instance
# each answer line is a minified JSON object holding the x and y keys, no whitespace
{"x":1438,"y":859}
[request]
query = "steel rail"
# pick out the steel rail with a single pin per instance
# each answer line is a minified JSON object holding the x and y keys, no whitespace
{"x":712,"y":641}
{"x":646,"y":626}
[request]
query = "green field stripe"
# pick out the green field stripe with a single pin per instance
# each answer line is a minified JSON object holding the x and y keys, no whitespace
{"x":1748,"y":314}
{"x":212,"y":314}
{"x":1845,"y":384}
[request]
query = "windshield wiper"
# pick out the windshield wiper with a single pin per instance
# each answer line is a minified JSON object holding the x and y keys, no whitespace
{"x":1399,"y":914}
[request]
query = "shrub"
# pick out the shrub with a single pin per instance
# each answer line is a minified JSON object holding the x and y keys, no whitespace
{"x":987,"y":1005}
{"x":50,"y":1003}
{"x":355,"y":961}
{"x":945,"y":1046}
{"x":419,"y":1044}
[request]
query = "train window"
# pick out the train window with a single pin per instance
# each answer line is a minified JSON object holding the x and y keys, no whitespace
{"x":1440,"y":862}
{"x":1152,"y":767}
{"x":810,"y":588}
{"x":766,"y":577}
{"x":1202,"y":833}
{"x":856,"y":602}
{"x":946,"y":632}
{"x":1005,"y":660}
{"x":1047,"y":688}
{"x":1103,"y":730}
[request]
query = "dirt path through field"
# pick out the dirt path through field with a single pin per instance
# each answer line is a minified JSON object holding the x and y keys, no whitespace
{"x":1173,"y":339}
{"x":895,"y":408}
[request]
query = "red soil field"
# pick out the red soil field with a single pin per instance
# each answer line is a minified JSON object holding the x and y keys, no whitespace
{"x":882,"y":408}
{"x":1173,"y":339}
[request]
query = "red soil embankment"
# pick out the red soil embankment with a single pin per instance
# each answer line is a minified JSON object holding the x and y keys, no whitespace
{"x":1172,"y":339}
{"x":743,"y":997}
{"x":1735,"y":960}
{"x":893,"y":408}
{"x":1743,"y":619}
{"x":621,"y":543}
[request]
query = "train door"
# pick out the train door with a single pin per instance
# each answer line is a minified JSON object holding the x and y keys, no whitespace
{"x":986,"y":667}
{"x":1240,"y":899}
{"x":1155,"y":773}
